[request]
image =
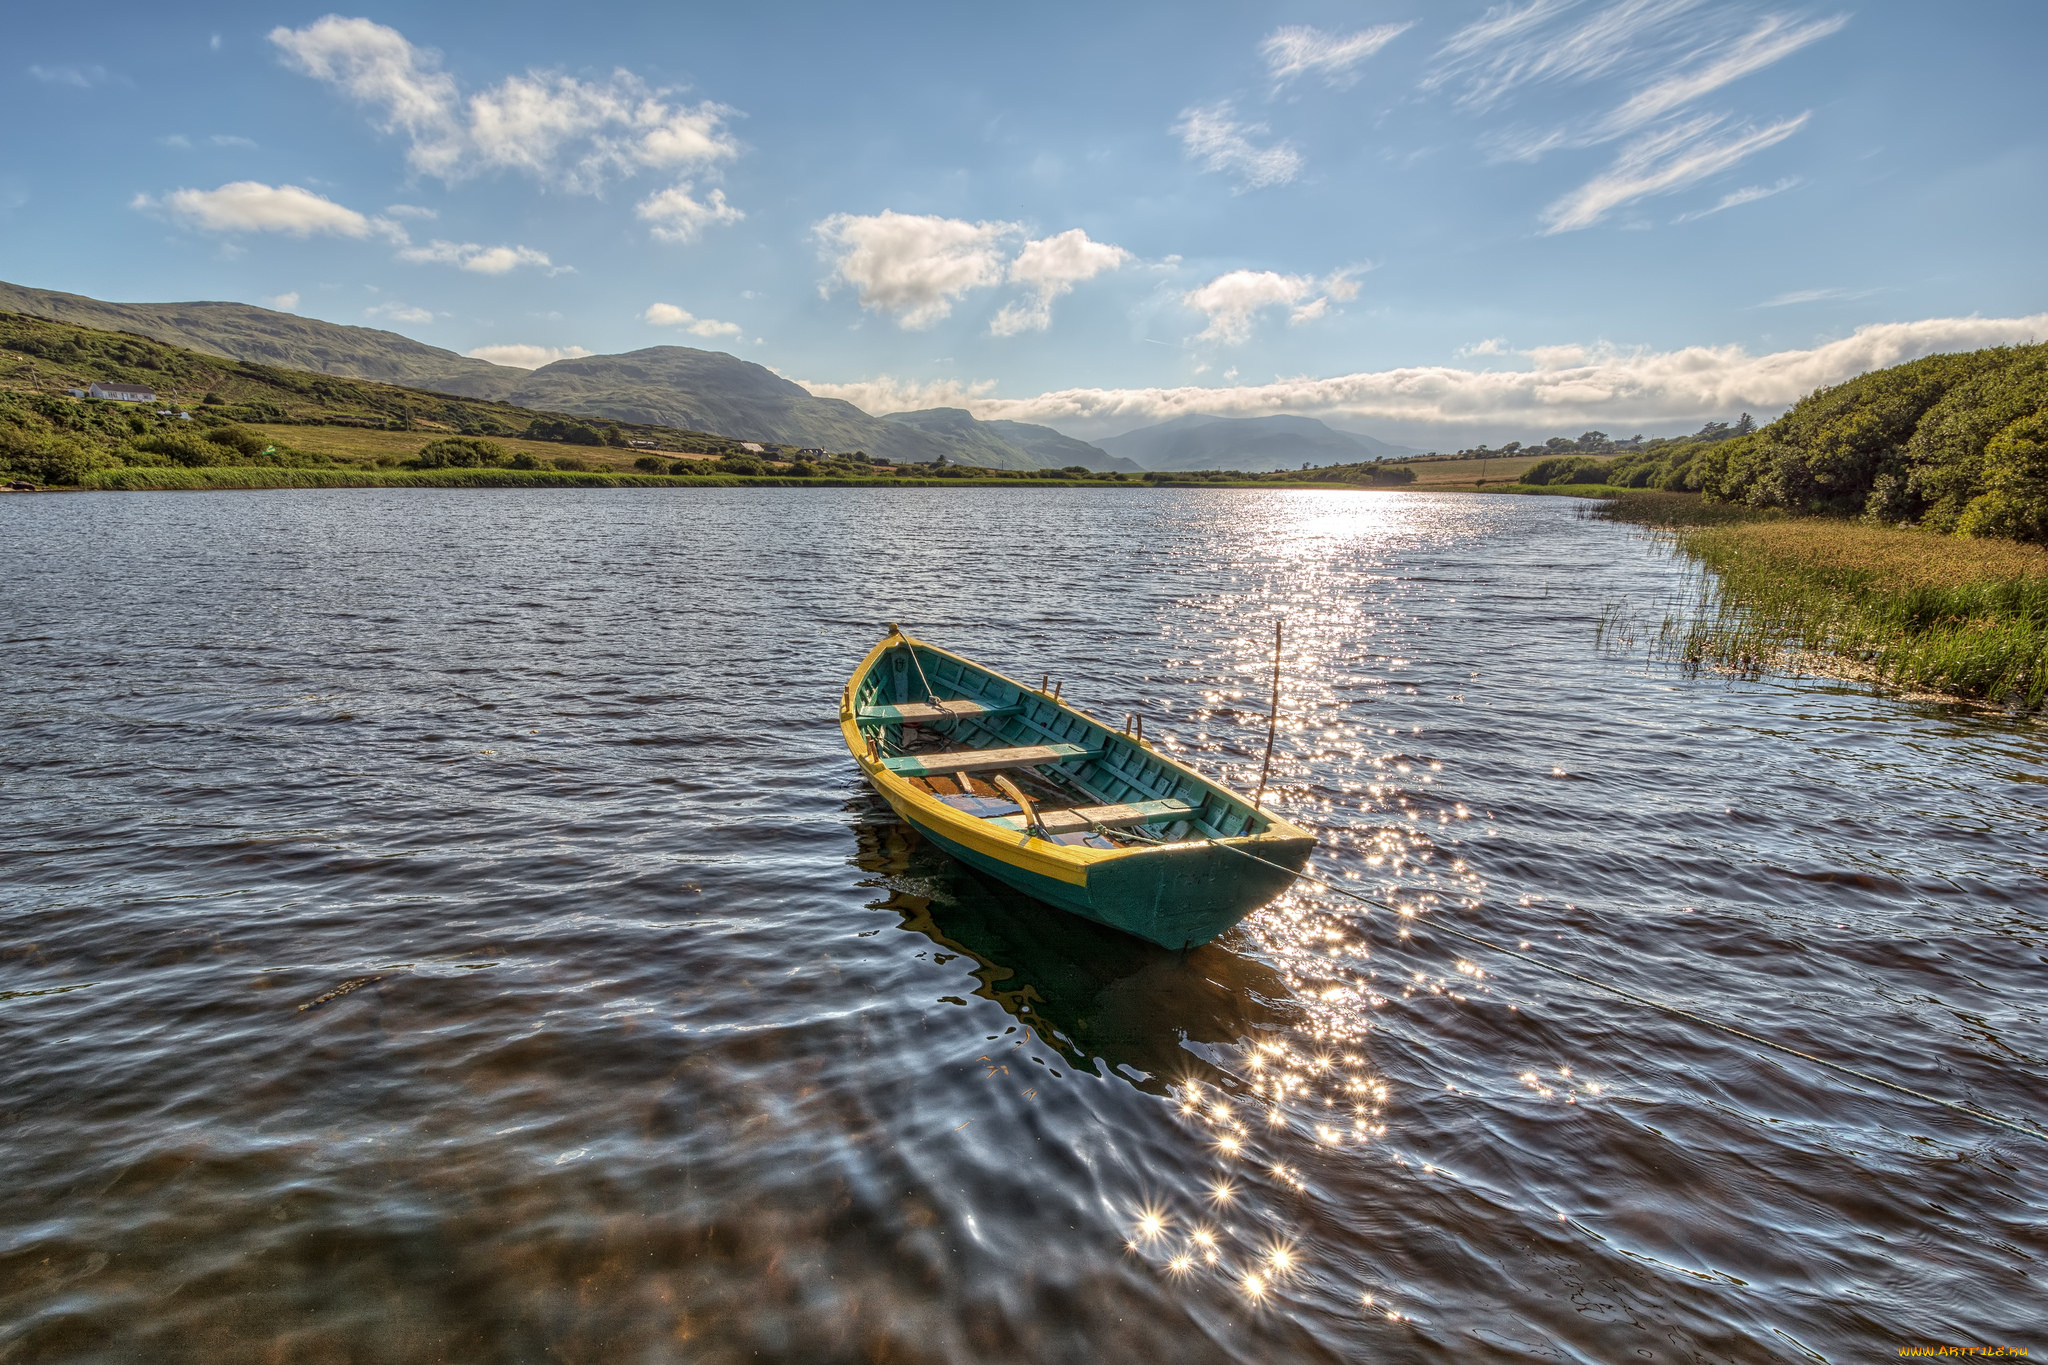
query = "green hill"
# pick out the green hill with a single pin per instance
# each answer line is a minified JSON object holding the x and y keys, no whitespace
{"x":240,"y":331}
{"x":679,"y":386}
{"x":668,"y":386}
{"x":52,"y":436}
{"x":1955,"y":443}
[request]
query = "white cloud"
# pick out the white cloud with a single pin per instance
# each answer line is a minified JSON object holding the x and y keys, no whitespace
{"x":1213,"y":136}
{"x":1663,"y":162}
{"x":523,"y":357}
{"x":1231,"y":301}
{"x":886,"y":394}
{"x":1052,"y":266}
{"x":675,"y":216}
{"x":478,"y":259}
{"x":571,"y":133}
{"x":251,"y":206}
{"x":1490,"y":346}
{"x":1578,"y":385}
{"x":914,"y":266}
{"x":283,"y":303}
{"x":231,"y":140}
{"x":375,"y":65}
{"x":398,"y":312}
{"x":668,"y":315}
{"x":1299,"y":50}
{"x":409,"y":211}
{"x":1748,"y":194}
{"x":178,"y":140}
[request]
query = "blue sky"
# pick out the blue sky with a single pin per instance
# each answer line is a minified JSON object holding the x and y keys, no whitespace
{"x":1432,"y":222}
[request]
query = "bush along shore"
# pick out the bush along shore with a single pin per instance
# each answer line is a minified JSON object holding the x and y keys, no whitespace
{"x":1952,"y":615}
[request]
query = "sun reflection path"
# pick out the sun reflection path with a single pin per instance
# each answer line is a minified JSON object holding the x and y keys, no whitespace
{"x":1390,"y":824}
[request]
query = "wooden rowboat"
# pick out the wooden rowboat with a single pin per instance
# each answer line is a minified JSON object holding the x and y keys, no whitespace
{"x":1020,"y":786}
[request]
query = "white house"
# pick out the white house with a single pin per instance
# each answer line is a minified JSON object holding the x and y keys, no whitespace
{"x":122,"y":393}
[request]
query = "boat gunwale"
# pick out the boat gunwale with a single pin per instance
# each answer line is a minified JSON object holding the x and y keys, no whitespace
{"x":1067,"y":862}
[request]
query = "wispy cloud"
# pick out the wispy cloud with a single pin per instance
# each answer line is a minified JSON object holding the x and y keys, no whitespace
{"x":572,"y":134}
{"x":1665,"y":55}
{"x":1299,"y":50}
{"x":76,"y":76}
{"x":1510,"y":47}
{"x":1213,"y":137}
{"x":1735,"y":199}
{"x":283,"y":303}
{"x":1798,"y":296}
{"x":1663,"y":162}
{"x":231,"y":140}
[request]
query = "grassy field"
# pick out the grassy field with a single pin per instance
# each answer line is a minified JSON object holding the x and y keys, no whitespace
{"x":1912,"y":609}
{"x":1443,"y":476}
{"x":354,"y":443}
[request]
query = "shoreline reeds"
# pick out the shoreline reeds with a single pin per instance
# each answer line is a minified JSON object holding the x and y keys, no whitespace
{"x":1908,"y":609}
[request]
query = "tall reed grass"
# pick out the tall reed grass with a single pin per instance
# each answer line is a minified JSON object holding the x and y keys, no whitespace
{"x":1911,"y":609}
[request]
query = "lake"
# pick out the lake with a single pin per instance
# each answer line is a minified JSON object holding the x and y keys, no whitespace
{"x":446,"y":925}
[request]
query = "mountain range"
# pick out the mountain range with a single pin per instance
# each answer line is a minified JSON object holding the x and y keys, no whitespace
{"x":711,"y":391}
{"x":1255,"y":445}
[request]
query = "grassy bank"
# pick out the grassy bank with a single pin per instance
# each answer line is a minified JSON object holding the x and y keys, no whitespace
{"x":1910,"y":609}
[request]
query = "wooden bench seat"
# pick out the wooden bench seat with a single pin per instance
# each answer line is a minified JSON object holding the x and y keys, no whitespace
{"x":913,"y":712}
{"x":1106,"y":817}
{"x":986,"y":760}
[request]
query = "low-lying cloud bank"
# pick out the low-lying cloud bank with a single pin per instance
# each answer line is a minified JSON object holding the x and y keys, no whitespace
{"x":1565,"y":387}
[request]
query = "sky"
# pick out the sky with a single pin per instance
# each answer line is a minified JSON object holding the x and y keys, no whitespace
{"x":1438,"y":223}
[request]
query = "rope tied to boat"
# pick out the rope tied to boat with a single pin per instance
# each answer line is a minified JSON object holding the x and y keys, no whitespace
{"x":1968,"y":1111}
{"x":930,"y":694}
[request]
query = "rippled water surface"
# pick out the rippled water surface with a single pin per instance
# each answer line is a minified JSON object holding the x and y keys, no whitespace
{"x":448,"y":926}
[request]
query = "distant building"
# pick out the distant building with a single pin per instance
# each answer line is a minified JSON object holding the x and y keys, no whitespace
{"x":122,"y":393}
{"x":76,"y":393}
{"x":645,"y":445}
{"x":816,"y":454}
{"x":753,"y":446}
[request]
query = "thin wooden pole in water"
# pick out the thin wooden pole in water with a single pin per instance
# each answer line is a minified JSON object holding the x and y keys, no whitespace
{"x":1272,"y":719}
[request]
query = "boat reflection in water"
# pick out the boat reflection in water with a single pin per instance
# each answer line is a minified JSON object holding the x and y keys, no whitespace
{"x":1102,"y":999}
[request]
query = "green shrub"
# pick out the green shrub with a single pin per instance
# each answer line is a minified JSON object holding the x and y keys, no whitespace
{"x":570,"y":462}
{"x":50,"y":458}
{"x":181,"y":448}
{"x":459,"y":452}
{"x":1566,"y":469}
{"x":241,"y":440}
{"x":651,"y":464}
{"x":803,"y":469}
{"x":523,"y":461}
{"x":740,"y":464}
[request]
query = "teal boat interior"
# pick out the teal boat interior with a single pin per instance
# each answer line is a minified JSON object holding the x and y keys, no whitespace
{"x":947,"y":726}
